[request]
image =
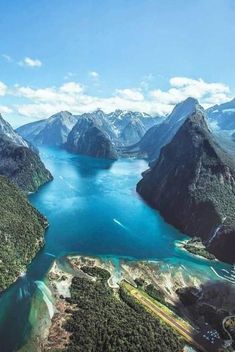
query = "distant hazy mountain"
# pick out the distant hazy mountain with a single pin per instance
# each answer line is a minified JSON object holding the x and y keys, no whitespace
{"x":19,"y":162}
{"x":129,"y":127}
{"x":122,"y":127}
{"x":53,"y":131}
{"x":192,"y":184}
{"x":222,"y":116}
{"x":221,"y":119}
{"x":88,"y":138}
{"x":159,"y":135}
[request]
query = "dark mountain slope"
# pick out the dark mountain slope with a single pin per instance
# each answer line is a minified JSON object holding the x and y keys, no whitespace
{"x":192,"y":184}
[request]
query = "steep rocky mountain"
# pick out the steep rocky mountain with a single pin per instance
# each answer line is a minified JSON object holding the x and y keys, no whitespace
{"x":21,"y":232}
{"x":99,"y":118}
{"x":53,"y":131}
{"x":159,"y":135}
{"x":19,"y":162}
{"x":7,"y":130}
{"x":221,"y":119}
{"x":192,"y":184}
{"x":88,"y":138}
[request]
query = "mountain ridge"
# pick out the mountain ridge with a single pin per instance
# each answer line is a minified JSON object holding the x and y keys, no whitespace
{"x":159,"y":135}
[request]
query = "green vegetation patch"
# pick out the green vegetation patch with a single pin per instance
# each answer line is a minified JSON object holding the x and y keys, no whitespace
{"x":195,"y":246}
{"x":102,"y":321}
{"x":21,"y":232}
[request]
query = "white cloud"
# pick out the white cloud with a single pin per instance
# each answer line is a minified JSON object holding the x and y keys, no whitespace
{"x":72,"y":96}
{"x":130,"y":94}
{"x":28,"y":61}
{"x":71,"y":88}
{"x":37,"y":103}
{"x":3,"y":89}
{"x":94,"y":74}
{"x":182,"y":87}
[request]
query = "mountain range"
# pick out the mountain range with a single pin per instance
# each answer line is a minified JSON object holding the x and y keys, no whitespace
{"x":121,"y":127}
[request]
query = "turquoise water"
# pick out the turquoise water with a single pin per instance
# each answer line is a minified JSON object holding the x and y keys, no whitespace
{"x":92,"y":208}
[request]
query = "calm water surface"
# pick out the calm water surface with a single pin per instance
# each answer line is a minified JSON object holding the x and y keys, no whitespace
{"x":92,"y":208}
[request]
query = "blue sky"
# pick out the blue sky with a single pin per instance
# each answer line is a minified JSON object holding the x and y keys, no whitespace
{"x":131,"y":54}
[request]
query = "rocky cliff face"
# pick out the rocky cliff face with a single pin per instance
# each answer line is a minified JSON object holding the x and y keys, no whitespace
{"x":19,"y":162}
{"x":192,"y":184}
{"x":88,"y":139}
{"x":21,"y":232}
{"x":53,"y":131}
{"x":159,"y":135}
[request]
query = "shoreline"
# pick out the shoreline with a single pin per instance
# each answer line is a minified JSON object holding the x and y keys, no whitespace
{"x":151,"y":273}
{"x":181,"y":245}
{"x":165,"y":280}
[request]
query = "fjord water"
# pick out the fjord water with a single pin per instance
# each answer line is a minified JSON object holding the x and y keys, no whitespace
{"x":93,"y":209}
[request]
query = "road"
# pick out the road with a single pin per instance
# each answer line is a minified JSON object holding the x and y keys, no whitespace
{"x":187,"y":333}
